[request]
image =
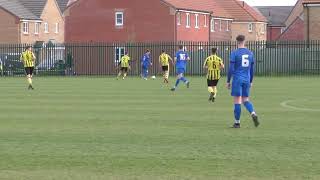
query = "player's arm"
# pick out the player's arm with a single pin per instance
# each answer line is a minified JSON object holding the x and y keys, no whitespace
{"x":129,"y":63}
{"x":221,"y":65}
{"x":231,"y":69}
{"x":188,"y":58}
{"x":33,"y":56}
{"x":205,"y":64}
{"x":170,"y":58}
{"x":252,"y":70}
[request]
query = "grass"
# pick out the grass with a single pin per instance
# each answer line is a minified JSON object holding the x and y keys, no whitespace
{"x":100,"y":128}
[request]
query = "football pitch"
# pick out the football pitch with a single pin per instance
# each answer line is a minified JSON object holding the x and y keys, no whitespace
{"x":86,"y":128}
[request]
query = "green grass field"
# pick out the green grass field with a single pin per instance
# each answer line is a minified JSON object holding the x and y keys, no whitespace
{"x":100,"y":128}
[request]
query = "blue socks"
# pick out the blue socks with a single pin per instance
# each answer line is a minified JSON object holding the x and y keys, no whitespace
{"x":237,"y":113}
{"x":145,"y":73}
{"x":183,"y":79}
{"x":177,"y":82}
{"x":237,"y":110}
{"x":180,"y":79}
{"x":249,"y":106}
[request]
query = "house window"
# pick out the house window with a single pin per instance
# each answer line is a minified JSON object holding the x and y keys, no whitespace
{"x":228,"y":26}
{"x":25,"y":27}
{"x":36,"y":28}
{"x":205,"y":21}
{"x":57,"y":28}
{"x":264,"y":28}
{"x":119,"y":52}
{"x":197,"y":21}
{"x":179,"y":18}
{"x":188,"y":20}
{"x":119,"y":18}
{"x":212,"y":25}
{"x":283,"y":29}
{"x":220,"y":25}
{"x":250,"y":27}
{"x":46,"y":27}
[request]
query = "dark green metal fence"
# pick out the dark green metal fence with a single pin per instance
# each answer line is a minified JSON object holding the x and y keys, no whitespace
{"x":286,"y":58}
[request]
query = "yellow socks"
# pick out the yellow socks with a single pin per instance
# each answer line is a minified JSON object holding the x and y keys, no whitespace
{"x":29,"y":80}
{"x":215,"y":91}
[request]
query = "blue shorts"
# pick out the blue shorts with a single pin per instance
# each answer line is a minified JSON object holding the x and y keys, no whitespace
{"x":240,"y":88}
{"x":180,"y":71}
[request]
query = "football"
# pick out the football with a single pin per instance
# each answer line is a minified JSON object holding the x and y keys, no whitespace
{"x":153,"y":77}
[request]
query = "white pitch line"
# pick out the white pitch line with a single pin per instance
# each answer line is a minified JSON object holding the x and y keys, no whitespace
{"x":285,"y":104}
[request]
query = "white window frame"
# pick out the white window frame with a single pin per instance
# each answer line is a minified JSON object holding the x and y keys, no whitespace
{"x":36,"y":28}
{"x":220,"y":25}
{"x":228,"y":26}
{"x":46,"y":27}
{"x":188,"y":20}
{"x":250,"y":27}
{"x":178,"y":18}
{"x":57,"y":28}
{"x":264,"y":29}
{"x":116,"y":18}
{"x":212,"y":25}
{"x":119,"y":52}
{"x":25,"y":27}
{"x":197,"y":21}
{"x":205,"y":20}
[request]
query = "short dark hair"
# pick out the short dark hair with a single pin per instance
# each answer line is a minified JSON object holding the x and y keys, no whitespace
{"x":163,"y":51}
{"x":180,"y":47}
{"x":214,"y":50}
{"x":148,"y":50}
{"x":28,"y":47}
{"x":241,"y":38}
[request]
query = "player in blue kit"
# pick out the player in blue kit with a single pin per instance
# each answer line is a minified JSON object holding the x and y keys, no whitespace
{"x":241,"y":72}
{"x":181,"y":64}
{"x":146,"y":63}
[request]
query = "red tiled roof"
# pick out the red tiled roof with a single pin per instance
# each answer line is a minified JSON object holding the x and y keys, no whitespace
{"x":200,"y":5}
{"x":241,"y":11}
{"x":310,"y":1}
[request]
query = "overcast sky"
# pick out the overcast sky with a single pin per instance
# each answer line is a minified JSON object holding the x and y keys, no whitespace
{"x":271,"y":2}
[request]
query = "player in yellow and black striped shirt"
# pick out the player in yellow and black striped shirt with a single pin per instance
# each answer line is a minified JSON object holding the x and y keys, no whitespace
{"x":213,"y":64}
{"x":28,"y":59}
{"x":124,"y":66}
{"x":164,"y":63}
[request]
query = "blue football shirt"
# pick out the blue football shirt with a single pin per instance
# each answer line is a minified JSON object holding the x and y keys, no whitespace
{"x":243,"y":60}
{"x":146,"y":60}
{"x":182,"y":58}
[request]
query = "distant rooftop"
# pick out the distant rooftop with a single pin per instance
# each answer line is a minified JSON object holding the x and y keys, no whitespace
{"x":276,"y":15}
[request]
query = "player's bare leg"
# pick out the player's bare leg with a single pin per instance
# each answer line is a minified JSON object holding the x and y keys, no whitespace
{"x":119,"y":74}
{"x":166,"y":77}
{"x":212,"y":94}
{"x":249,"y":106}
{"x":237,"y":111}
{"x":29,"y":78}
{"x":124,"y":75}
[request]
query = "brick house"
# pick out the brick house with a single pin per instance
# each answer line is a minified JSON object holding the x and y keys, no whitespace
{"x":150,"y":20}
{"x":276,"y":16}
{"x":246,"y":20}
{"x":29,"y":21}
{"x":312,"y":19}
{"x":303,"y":22}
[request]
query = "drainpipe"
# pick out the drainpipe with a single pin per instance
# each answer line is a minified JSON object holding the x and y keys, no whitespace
{"x":210,"y":16}
{"x":175,"y":26}
{"x":308,"y":24}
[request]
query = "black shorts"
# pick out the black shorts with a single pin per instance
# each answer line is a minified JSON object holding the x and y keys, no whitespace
{"x":29,"y":70}
{"x":165,"y":68}
{"x":212,"y":82}
{"x":124,"y":69}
